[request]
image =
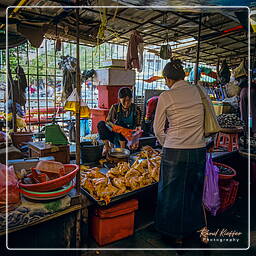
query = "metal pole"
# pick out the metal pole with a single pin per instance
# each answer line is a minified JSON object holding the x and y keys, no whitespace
{"x":28,"y":88}
{"x":78,"y":87}
{"x":198,"y":49}
{"x":11,"y":84}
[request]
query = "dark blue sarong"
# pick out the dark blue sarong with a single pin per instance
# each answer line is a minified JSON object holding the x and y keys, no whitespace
{"x":179,"y":210}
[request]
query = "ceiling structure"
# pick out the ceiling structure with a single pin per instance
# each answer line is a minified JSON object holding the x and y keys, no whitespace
{"x":155,"y":24}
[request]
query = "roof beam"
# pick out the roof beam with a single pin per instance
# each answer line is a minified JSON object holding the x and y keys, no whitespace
{"x":206,"y":26}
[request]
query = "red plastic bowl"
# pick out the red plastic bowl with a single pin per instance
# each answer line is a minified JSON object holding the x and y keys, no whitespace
{"x":70,"y":170}
{"x":223,"y":176}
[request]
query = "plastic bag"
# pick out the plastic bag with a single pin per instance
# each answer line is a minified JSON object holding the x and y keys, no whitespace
{"x":72,"y":104}
{"x":132,"y":136}
{"x":165,"y":52}
{"x":241,"y":70}
{"x":211,"y":197}
{"x":13,"y":196}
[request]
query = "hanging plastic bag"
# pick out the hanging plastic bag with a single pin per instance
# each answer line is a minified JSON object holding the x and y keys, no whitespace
{"x":165,"y":52}
{"x":13,"y":195}
{"x":72,"y":104}
{"x":211,"y":197}
{"x":241,"y":70}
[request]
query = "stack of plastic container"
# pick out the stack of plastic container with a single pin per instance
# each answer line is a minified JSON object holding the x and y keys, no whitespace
{"x":110,"y":78}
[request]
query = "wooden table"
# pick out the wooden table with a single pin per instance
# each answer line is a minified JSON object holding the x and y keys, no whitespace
{"x":41,"y":149}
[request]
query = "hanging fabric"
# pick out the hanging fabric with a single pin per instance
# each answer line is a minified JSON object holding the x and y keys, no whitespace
{"x":134,"y":58}
{"x":68,"y":66}
{"x":35,"y":35}
{"x":224,"y":73}
{"x":58,"y":41}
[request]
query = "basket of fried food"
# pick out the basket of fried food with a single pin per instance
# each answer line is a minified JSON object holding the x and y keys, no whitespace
{"x":122,"y":179}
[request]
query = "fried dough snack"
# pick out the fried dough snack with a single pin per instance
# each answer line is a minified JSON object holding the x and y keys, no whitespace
{"x":123,"y":178}
{"x":148,"y":152}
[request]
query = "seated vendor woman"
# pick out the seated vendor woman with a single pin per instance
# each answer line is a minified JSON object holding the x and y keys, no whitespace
{"x":125,"y":114}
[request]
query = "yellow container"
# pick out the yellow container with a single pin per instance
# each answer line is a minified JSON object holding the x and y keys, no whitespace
{"x":221,"y":107}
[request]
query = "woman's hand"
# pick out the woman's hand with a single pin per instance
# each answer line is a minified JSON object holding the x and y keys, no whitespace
{"x":138,"y":128}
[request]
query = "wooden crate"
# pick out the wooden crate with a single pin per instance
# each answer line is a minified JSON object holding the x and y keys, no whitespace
{"x":41,"y":149}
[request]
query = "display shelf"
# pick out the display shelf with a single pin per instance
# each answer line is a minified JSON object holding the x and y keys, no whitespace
{"x":74,"y":206}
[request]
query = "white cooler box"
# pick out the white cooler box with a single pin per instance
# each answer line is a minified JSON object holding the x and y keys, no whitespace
{"x":113,"y":63}
{"x":115,"y":76}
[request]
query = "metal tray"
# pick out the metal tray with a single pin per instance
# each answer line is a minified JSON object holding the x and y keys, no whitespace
{"x":117,"y":198}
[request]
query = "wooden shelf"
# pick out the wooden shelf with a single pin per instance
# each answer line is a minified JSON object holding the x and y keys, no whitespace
{"x":44,"y":219}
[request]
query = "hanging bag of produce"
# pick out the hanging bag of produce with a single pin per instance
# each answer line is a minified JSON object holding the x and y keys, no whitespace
{"x":211,"y":124}
{"x":211,"y":197}
{"x":166,"y":50}
{"x":72,"y":104}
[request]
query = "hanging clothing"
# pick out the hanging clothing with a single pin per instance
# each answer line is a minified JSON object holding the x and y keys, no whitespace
{"x":22,"y":85}
{"x":134,"y":58}
{"x":179,"y":210}
{"x":68,"y":66}
{"x":224,"y":73}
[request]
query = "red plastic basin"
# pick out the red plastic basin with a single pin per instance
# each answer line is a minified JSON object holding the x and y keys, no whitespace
{"x":70,"y":170}
{"x":223,"y":176}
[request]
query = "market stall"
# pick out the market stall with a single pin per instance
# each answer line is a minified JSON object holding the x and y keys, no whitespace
{"x":108,"y":195}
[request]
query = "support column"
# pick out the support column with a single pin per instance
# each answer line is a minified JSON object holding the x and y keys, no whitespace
{"x":198,"y":49}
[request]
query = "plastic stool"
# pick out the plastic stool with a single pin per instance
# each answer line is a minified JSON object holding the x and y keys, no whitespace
{"x":228,"y":140}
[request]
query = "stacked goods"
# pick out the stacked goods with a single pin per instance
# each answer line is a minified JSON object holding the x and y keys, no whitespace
{"x":121,"y":179}
{"x":229,"y":121}
{"x":109,"y":79}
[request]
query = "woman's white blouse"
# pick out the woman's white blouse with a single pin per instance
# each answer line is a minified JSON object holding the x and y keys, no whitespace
{"x":182,"y":107}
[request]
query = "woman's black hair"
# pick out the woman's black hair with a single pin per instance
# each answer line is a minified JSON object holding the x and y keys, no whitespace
{"x":174,"y":70}
{"x":124,"y":92}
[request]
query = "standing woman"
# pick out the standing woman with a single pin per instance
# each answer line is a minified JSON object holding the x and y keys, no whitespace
{"x":179,"y":211}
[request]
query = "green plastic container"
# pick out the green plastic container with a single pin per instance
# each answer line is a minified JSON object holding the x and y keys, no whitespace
{"x":55,"y":135}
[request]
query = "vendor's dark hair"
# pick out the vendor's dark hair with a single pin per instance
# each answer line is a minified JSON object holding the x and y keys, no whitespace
{"x":174,"y":70}
{"x":124,"y":92}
